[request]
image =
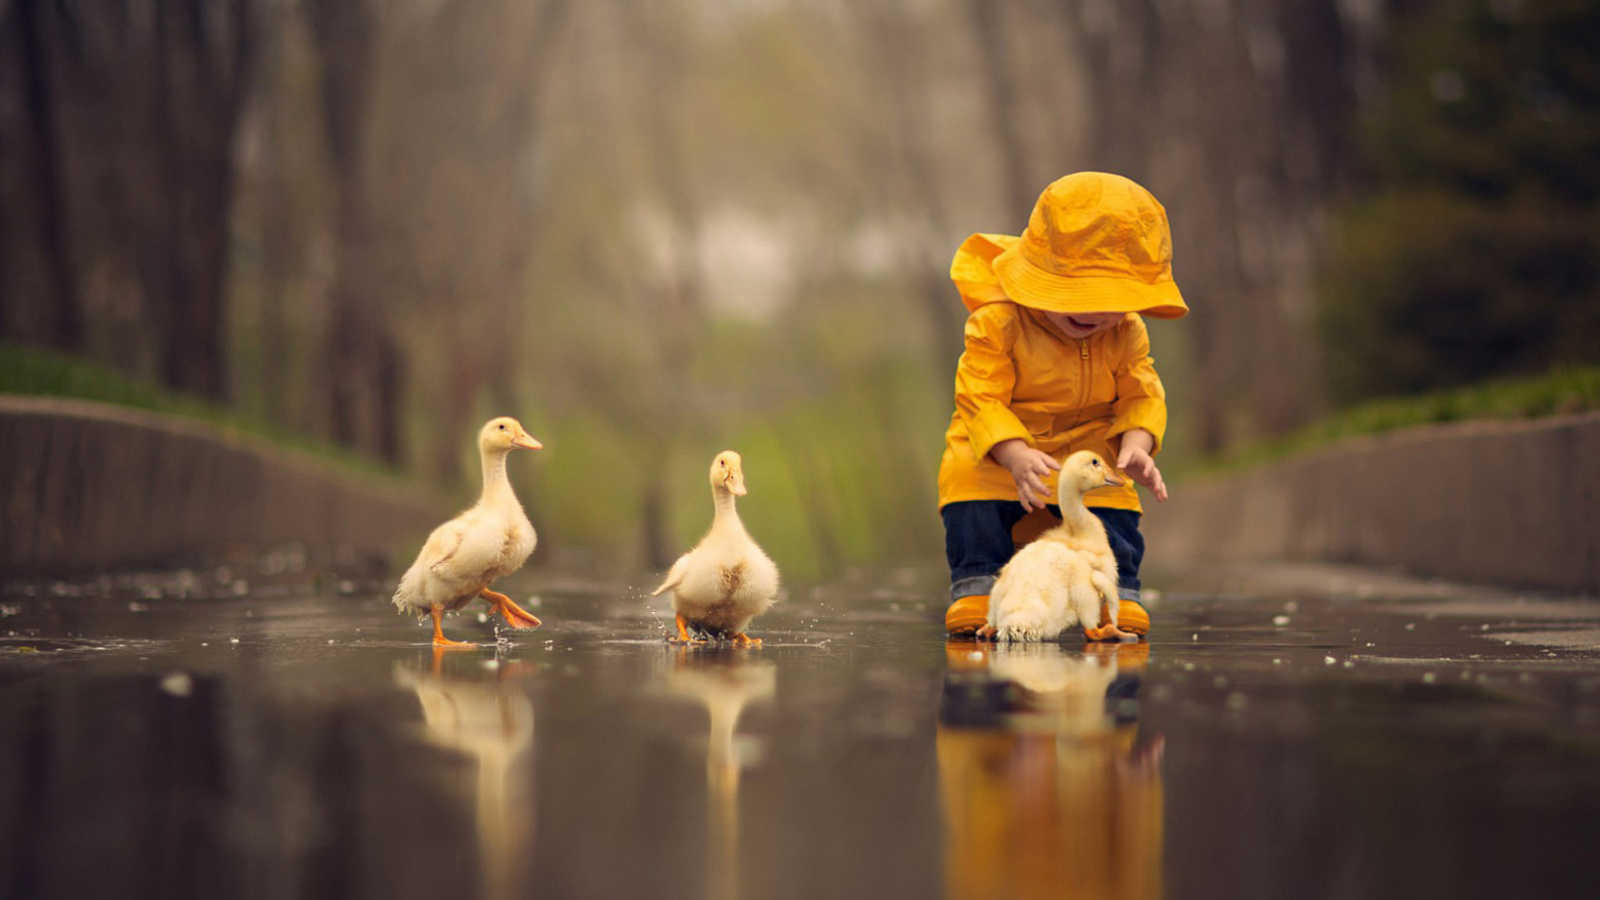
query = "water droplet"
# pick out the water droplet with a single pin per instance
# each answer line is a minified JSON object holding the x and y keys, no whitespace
{"x":1280,"y":621}
{"x":178,"y":684}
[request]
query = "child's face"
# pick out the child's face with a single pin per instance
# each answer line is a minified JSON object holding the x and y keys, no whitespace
{"x":1080,"y":325}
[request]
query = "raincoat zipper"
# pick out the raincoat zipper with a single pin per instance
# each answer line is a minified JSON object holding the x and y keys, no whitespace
{"x":1083,"y":380}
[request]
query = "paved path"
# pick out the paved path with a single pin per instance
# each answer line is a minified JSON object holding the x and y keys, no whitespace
{"x":1287,"y":732}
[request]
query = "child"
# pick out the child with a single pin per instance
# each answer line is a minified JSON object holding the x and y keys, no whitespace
{"x":1057,"y":360}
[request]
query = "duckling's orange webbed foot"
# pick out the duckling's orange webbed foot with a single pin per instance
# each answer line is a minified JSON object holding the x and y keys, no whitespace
{"x":684,"y":635}
{"x":1109,"y":633}
{"x":439,"y":640}
{"x":744,"y":640}
{"x":515,"y":616}
{"x":986,"y":633}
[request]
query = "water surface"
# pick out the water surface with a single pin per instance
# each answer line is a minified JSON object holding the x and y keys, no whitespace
{"x":202,"y":734}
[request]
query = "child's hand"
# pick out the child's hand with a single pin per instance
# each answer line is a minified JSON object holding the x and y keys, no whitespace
{"x":1029,"y":468}
{"x":1135,"y":459}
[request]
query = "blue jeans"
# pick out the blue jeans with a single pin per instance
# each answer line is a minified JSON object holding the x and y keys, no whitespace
{"x":977,"y":543}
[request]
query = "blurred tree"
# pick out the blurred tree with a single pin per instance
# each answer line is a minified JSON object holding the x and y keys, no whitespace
{"x":391,"y":219}
{"x":284,"y":233}
{"x":1476,"y":251}
{"x":453,"y":182}
{"x":993,"y":72}
{"x":1232,"y":114}
{"x":36,"y":255}
{"x":124,"y":177}
{"x":653,"y":230}
{"x":361,"y":361}
{"x":896,"y":55}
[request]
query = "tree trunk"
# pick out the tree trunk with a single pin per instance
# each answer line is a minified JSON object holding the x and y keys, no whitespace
{"x":51,"y":271}
{"x":363,"y":410}
{"x":994,"y":72}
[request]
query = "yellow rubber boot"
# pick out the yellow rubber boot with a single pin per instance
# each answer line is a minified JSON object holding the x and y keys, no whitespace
{"x":967,"y":615}
{"x":1131,"y":616}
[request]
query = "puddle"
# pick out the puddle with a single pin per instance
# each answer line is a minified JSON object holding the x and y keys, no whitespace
{"x":312,"y":744}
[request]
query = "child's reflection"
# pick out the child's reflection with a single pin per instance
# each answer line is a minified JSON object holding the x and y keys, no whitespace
{"x":1047,"y":790}
{"x":485,"y":715}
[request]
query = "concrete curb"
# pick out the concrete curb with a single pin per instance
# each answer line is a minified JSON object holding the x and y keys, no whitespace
{"x":87,"y":486}
{"x":1508,"y":503}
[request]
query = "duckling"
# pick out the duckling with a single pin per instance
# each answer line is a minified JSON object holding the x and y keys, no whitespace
{"x":725,"y":581}
{"x":465,"y":555}
{"x":1067,"y":576}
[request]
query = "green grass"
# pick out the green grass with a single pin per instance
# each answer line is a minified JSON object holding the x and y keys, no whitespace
{"x":30,"y":371}
{"x":25,"y":370}
{"x":1561,"y":392}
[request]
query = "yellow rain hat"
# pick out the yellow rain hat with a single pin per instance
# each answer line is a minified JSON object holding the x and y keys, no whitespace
{"x":1095,"y":243}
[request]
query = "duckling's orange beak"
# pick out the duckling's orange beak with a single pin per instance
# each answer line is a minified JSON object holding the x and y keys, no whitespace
{"x":1113,"y":481}
{"x":526,"y":441}
{"x":735,"y":483}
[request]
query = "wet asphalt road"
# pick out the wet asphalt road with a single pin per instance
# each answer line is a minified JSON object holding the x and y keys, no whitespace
{"x":1299,"y":733}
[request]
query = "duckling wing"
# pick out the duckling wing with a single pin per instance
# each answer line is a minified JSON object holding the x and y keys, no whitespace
{"x":414,"y":590}
{"x":674,"y":576}
{"x":453,"y":563}
{"x":442,"y":546}
{"x":479,"y":544}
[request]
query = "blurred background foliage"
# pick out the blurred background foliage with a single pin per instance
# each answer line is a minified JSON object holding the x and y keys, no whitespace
{"x":653,"y":229}
{"x":1473,"y":250}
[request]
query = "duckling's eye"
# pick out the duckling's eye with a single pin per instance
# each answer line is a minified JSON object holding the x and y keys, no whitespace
{"x":502,"y":428}
{"x":1095,"y":463}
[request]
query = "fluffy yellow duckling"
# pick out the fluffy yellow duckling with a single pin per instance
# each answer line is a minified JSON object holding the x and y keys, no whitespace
{"x":725,"y":581}
{"x":466,"y":554}
{"x":1067,"y":576}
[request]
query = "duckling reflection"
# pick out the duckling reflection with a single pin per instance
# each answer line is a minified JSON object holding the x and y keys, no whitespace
{"x":490,"y":720}
{"x":724,"y":681}
{"x":1046,"y":789}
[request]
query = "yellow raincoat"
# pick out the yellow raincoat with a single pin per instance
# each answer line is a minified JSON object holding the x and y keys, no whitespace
{"x":1021,"y":377}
